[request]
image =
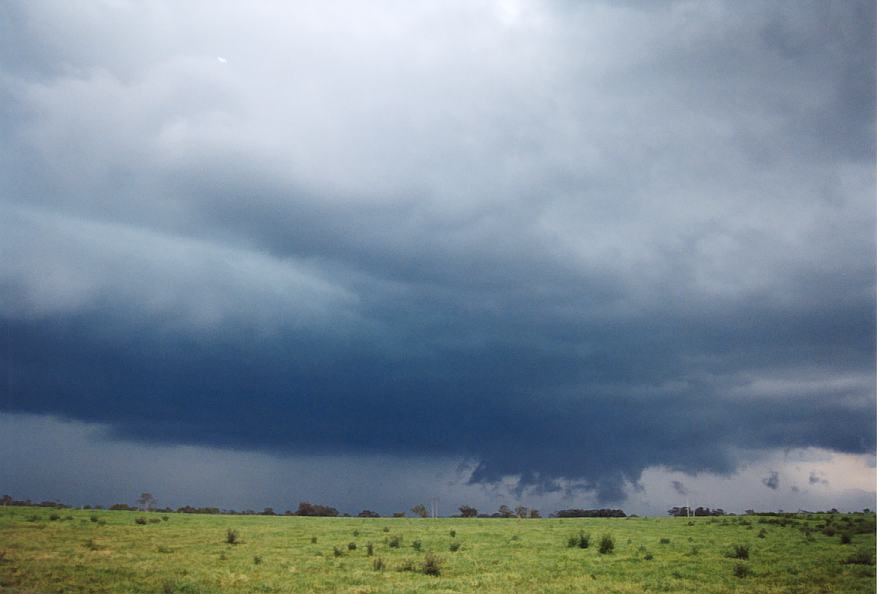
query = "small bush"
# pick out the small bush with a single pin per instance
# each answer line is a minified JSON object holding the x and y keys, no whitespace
{"x":386,"y":528}
{"x":739,"y":552}
{"x":417,"y":545}
{"x":378,"y":564}
{"x":313,"y":540}
{"x":581,"y":541}
{"x":164,"y":518}
{"x":861,"y":557}
{"x":54,"y":517}
{"x":762,"y":533}
{"x":337,"y":552}
{"x":257,"y":560}
{"x":431,"y":565}
{"x":829,"y":531}
{"x":454,"y":547}
{"x":140,"y":521}
{"x":369,"y":549}
{"x":394,"y":542}
{"x":91,"y":545}
{"x":351,"y":546}
{"x":607,"y":544}
{"x":453,"y":533}
{"x":648,"y":557}
{"x":407,"y":565}
{"x":665,"y":541}
{"x":741,"y":570}
{"x":94,"y":518}
{"x":845,"y":539}
{"x":231,"y":536}
{"x":355,"y":533}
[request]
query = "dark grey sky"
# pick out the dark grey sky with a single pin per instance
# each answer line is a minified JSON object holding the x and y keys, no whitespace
{"x":555,"y":250}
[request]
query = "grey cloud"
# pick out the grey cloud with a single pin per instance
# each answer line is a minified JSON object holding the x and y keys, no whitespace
{"x":816,"y":479}
{"x":772,"y":480}
{"x":504,"y":225}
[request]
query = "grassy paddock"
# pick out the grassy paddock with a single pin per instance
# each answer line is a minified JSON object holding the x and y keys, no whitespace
{"x":110,"y":551}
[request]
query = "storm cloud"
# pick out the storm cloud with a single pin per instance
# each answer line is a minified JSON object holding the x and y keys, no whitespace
{"x":562,"y":242}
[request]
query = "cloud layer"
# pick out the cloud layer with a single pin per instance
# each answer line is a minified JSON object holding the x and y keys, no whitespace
{"x":563,"y":242}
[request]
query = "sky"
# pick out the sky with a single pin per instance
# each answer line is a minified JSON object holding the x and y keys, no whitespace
{"x":559,"y":254}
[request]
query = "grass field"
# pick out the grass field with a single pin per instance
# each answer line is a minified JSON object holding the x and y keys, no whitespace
{"x":46,"y":550}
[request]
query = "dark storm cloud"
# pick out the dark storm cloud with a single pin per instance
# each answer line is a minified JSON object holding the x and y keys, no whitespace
{"x":772,"y":480}
{"x":561,"y":242}
{"x":816,"y":479}
{"x":679,"y":487}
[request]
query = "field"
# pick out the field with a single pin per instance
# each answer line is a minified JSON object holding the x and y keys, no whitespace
{"x":47,"y":550}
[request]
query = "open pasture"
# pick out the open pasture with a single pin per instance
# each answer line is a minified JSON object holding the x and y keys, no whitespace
{"x":46,"y":550}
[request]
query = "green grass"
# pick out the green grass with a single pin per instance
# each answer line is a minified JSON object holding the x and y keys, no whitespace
{"x":190,"y":553}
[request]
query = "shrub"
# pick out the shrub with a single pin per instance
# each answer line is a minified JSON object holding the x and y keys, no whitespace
{"x":407,"y":565}
{"x":417,"y":545}
{"x":369,"y":549}
{"x":54,"y":517}
{"x":91,"y":545}
{"x":741,"y":570}
{"x":164,"y":518}
{"x":845,"y":539}
{"x":355,"y":533}
{"x":394,"y":542}
{"x":861,"y":557}
{"x":313,"y":540}
{"x":739,"y":552}
{"x":665,"y":541}
{"x":607,"y":544}
{"x":829,"y":531}
{"x":140,"y":521}
{"x":351,"y":546}
{"x":762,"y":533}
{"x":648,"y":557}
{"x":453,"y":533}
{"x":257,"y":560}
{"x":378,"y":564}
{"x":93,"y":518}
{"x":337,"y":552}
{"x":581,"y":541}
{"x":231,"y":536}
{"x":431,"y":565}
{"x":386,"y":528}
{"x":454,"y":547}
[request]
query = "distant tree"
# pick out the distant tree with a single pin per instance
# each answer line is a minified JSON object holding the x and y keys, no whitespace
{"x":146,"y":501}
{"x":592,"y":513}
{"x":522,"y":511}
{"x":6,"y":500}
{"x":534,"y":513}
{"x":268,"y":511}
{"x":309,"y":509}
{"x":398,"y":514}
{"x":420,"y":510}
{"x":467,"y":511}
{"x":367,"y":513}
{"x":505,"y":512}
